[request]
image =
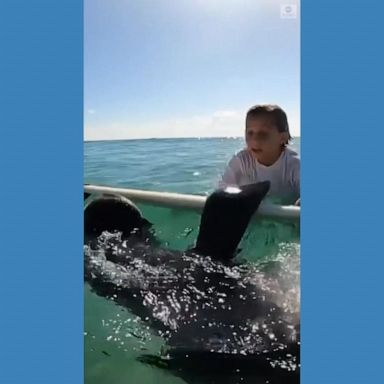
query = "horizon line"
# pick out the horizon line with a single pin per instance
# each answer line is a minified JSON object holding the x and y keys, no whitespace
{"x":173,"y":138}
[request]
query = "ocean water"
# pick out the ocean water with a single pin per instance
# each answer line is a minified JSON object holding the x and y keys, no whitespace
{"x":173,"y":165}
{"x":114,"y":338}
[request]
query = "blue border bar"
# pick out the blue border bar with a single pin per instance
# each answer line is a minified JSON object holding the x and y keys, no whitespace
{"x":342,"y":173}
{"x":41,"y":157}
{"x":41,"y":105}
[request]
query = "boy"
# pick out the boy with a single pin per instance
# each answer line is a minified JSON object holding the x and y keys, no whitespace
{"x":266,"y":156}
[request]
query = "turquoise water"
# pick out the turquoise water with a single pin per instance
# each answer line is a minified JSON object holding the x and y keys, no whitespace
{"x":173,"y":165}
{"x":114,"y":338}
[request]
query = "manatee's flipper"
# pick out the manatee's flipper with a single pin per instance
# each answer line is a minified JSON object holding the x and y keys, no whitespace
{"x":225,"y":218}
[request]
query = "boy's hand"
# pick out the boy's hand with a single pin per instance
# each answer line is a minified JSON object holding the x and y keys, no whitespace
{"x":297,"y":202}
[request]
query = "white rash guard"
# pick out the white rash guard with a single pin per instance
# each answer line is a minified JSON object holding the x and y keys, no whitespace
{"x":284,"y":174}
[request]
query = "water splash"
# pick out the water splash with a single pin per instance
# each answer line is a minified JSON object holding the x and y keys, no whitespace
{"x":197,"y":304}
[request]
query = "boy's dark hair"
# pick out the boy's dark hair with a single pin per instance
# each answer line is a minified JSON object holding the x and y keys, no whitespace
{"x":275,"y":111}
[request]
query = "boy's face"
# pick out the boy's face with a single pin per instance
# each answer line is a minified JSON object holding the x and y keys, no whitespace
{"x":263,"y":138}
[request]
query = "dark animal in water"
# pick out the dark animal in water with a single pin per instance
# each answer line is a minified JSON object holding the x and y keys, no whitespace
{"x":221,"y":320}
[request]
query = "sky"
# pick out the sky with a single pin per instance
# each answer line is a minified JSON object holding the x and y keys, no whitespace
{"x":187,"y":68}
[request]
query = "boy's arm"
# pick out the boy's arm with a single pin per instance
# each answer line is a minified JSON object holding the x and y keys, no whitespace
{"x":230,"y":177}
{"x":296,"y":180}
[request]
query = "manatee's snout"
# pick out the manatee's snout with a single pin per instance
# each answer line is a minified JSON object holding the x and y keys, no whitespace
{"x":112,"y":213}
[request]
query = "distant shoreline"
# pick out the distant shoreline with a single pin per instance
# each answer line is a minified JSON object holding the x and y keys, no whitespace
{"x":171,"y":138}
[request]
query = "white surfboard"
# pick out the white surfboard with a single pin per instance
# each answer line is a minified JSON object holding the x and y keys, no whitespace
{"x":195,"y":202}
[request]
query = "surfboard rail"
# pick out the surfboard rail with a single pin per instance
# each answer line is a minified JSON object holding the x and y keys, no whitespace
{"x":186,"y":201}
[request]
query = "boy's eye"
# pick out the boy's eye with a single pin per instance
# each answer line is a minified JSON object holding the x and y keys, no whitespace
{"x":258,"y":135}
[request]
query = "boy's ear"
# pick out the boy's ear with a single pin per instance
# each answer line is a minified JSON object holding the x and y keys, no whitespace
{"x":284,"y":137}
